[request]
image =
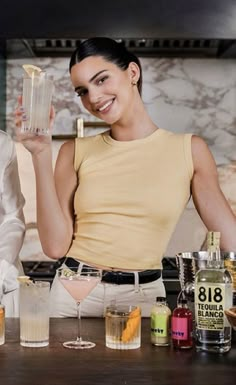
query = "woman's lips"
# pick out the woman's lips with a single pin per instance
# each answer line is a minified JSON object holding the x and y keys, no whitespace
{"x":106,"y":106}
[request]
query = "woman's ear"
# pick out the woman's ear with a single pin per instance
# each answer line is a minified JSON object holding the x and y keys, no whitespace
{"x":134,"y":73}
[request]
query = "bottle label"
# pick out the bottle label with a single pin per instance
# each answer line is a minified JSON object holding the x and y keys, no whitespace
{"x":159,"y":325}
{"x":209,"y":306}
{"x":179,"y":328}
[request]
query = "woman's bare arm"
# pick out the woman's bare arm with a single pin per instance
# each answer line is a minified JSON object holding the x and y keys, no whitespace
{"x":54,"y":192}
{"x":55,"y":199}
{"x":208,"y":198}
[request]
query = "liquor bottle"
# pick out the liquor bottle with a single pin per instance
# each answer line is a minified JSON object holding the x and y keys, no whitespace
{"x":182,"y":326}
{"x":160,"y":322}
{"x":213,"y":294}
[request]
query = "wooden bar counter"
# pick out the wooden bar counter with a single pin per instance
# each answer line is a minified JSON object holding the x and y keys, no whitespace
{"x":55,"y":365}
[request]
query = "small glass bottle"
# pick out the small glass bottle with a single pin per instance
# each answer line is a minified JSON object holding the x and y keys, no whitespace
{"x":213,"y":295}
{"x":182,"y":326}
{"x":160,"y":323}
{"x":2,"y":324}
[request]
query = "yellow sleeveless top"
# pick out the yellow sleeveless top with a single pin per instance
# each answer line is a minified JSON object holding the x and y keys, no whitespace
{"x":129,"y":198}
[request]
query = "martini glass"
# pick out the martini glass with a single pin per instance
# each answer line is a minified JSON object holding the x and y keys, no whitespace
{"x":79,"y":284}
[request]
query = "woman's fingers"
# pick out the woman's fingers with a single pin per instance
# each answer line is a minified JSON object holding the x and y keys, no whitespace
{"x":52,"y":116}
{"x":19,"y":99}
{"x":52,"y":112}
{"x":32,"y":141}
{"x":19,"y":116}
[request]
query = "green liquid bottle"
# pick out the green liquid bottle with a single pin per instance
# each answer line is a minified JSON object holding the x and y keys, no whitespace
{"x":160,"y":323}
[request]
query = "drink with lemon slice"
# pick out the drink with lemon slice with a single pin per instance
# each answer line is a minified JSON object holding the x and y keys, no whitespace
{"x":37,"y":96}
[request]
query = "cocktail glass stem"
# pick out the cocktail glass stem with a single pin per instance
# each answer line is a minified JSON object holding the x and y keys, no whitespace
{"x":79,"y":343}
{"x":79,"y":338}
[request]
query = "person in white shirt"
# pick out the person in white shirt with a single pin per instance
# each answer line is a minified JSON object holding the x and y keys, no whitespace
{"x":12,"y":226}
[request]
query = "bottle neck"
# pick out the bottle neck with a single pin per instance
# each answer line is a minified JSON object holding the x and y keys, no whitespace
{"x":215,"y":261}
{"x":183,"y":305}
{"x":163,"y":303}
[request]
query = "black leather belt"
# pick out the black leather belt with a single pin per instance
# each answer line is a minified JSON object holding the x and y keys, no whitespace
{"x":119,"y":277}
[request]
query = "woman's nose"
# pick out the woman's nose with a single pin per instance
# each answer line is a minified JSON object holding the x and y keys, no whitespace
{"x":94,"y":96}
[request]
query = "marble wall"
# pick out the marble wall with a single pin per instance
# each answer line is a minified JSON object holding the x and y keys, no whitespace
{"x":181,"y":95}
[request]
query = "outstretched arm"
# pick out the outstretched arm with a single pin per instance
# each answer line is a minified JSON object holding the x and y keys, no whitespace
{"x":208,"y":198}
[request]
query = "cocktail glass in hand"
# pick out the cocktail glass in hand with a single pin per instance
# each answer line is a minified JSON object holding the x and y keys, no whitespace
{"x":79,"y":284}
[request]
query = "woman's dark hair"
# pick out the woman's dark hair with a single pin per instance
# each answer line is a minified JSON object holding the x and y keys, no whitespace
{"x":110,"y":50}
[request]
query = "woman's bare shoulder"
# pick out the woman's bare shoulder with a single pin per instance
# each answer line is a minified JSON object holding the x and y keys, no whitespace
{"x":68,"y":146}
{"x":67,"y":149}
{"x":202,"y":156}
{"x":198,"y":143}
{"x":65,"y":156}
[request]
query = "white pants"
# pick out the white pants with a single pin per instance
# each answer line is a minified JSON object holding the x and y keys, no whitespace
{"x":144,"y":295}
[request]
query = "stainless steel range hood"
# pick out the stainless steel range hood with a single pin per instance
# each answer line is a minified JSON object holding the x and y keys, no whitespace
{"x":178,"y":28}
{"x":150,"y":47}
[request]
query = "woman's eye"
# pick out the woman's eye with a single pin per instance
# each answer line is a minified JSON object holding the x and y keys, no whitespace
{"x":100,"y":81}
{"x":81,"y":93}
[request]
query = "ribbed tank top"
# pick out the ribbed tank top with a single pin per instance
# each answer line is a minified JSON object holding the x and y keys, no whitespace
{"x":129,"y":198}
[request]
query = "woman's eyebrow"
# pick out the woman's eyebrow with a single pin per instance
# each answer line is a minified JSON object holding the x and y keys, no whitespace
{"x":97,"y":74}
{"x":90,"y":80}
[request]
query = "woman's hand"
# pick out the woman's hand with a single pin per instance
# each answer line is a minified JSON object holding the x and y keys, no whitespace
{"x":32,"y":142}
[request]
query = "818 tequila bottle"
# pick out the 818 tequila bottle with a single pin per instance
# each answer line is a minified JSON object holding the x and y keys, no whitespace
{"x":213,"y":294}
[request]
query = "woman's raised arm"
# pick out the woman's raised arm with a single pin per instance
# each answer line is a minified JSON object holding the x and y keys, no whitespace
{"x":55,"y":199}
{"x":54,"y":191}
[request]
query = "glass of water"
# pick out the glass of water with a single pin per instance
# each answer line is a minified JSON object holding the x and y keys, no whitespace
{"x":36,"y":100}
{"x":34,"y":313}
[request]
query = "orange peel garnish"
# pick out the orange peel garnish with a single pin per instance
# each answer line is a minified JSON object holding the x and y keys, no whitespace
{"x":132,"y":325}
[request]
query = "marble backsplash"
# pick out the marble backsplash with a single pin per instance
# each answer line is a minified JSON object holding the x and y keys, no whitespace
{"x":181,"y":95}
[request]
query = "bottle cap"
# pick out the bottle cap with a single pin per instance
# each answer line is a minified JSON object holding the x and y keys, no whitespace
{"x":160,"y":299}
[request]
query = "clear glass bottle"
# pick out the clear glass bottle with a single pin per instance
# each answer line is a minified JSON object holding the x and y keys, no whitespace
{"x":160,"y":322}
{"x":182,"y":326}
{"x":213,"y":294}
{"x":2,"y":324}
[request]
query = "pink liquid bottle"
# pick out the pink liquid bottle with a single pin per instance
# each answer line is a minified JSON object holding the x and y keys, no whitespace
{"x":182,"y":326}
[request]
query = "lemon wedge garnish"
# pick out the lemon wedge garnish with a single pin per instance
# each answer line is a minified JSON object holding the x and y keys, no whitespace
{"x":31,"y":69}
{"x":67,"y":273}
{"x":23,"y":278}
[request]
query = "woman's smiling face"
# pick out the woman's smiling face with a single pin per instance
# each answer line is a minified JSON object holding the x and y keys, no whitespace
{"x":105,"y":90}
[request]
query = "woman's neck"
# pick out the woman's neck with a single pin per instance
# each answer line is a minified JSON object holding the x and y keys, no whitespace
{"x":138,"y":126}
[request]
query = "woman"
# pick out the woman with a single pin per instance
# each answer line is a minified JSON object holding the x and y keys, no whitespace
{"x":12,"y":227}
{"x":115,"y":198}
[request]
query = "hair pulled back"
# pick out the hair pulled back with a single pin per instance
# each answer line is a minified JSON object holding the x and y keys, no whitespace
{"x":110,"y":50}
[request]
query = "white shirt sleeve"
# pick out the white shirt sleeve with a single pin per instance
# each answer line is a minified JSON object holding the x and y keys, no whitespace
{"x":12,"y":224}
